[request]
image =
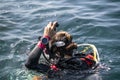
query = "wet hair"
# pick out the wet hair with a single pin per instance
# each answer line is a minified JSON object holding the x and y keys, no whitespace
{"x":69,"y":46}
{"x":62,"y":36}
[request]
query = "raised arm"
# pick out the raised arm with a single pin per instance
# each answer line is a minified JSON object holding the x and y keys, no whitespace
{"x":32,"y":61}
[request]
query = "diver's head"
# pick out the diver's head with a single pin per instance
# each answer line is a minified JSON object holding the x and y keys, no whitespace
{"x":62,"y":44}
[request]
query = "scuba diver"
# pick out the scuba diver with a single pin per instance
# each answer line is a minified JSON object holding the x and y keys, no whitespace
{"x":61,"y":50}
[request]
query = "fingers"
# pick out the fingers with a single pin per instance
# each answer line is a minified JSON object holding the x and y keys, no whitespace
{"x":50,"y":29}
{"x":49,"y":24}
{"x":54,"y":25}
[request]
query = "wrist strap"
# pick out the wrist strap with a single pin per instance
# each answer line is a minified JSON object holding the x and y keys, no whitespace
{"x":47,"y":37}
{"x":41,"y":45}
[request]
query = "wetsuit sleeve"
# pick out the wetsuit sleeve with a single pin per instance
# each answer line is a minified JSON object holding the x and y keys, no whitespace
{"x":33,"y":58}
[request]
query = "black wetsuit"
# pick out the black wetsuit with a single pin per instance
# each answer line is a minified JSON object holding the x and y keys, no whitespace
{"x":33,"y":60}
{"x":73,"y":63}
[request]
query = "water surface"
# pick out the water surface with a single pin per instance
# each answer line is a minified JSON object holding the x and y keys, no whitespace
{"x":89,"y":21}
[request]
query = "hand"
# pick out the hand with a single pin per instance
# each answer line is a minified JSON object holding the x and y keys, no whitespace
{"x":50,"y":29}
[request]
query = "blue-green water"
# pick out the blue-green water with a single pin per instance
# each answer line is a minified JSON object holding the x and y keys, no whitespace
{"x":89,"y":21}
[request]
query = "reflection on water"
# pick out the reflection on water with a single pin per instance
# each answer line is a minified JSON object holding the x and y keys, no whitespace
{"x":94,"y":77}
{"x":19,"y":74}
{"x":89,"y":21}
{"x":23,"y":73}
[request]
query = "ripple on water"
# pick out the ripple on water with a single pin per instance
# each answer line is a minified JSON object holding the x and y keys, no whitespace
{"x":89,"y":21}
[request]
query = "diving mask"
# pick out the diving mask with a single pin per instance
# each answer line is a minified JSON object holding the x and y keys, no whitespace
{"x":59,"y":43}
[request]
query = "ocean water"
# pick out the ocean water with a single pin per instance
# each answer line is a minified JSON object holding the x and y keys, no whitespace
{"x":88,"y":21}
